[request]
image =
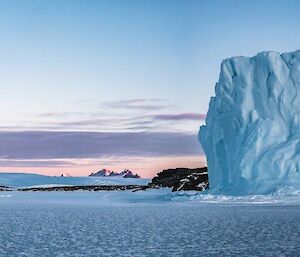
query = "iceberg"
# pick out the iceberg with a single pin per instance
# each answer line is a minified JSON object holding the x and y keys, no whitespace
{"x":252,"y":134}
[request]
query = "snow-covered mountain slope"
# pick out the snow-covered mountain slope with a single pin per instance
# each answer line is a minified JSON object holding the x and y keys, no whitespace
{"x":31,"y":180}
{"x":102,"y":173}
{"x":128,"y":174}
{"x":252,"y":134}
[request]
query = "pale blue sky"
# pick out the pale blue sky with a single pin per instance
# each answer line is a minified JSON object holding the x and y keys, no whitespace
{"x":126,"y":66}
{"x":70,"y":56}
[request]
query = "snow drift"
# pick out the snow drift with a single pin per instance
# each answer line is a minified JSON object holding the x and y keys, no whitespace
{"x":252,"y":134}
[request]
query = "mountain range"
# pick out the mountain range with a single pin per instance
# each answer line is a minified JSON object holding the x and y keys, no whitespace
{"x":108,"y":173}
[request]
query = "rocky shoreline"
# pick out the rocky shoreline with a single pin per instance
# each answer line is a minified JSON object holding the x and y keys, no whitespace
{"x":177,"y":179}
{"x":87,"y":188}
{"x":4,"y":188}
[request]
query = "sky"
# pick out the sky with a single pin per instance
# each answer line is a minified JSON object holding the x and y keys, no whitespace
{"x":117,"y":84}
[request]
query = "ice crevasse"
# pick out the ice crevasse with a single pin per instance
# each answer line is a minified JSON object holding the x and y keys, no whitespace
{"x":252,"y":134}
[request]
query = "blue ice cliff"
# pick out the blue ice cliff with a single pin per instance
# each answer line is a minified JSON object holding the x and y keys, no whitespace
{"x":252,"y":134}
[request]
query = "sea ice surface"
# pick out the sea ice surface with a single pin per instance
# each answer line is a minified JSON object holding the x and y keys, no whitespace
{"x":147,"y":223}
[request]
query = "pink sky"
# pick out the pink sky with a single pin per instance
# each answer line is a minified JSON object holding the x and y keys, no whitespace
{"x":81,"y":153}
{"x":146,"y":167}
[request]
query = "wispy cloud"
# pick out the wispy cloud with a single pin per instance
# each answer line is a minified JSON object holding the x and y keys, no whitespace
{"x":34,"y":163}
{"x":59,"y":145}
{"x":60,"y":114}
{"x":156,"y":122}
{"x":131,"y":115}
{"x":147,"y":104}
{"x":180,"y":116}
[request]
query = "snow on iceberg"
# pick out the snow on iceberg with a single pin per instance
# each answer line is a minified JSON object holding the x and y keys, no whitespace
{"x":252,"y":134}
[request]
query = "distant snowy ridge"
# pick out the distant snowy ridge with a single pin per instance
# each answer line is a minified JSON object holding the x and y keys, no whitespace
{"x":107,"y":173}
{"x":18,"y":180}
{"x":252,"y":134}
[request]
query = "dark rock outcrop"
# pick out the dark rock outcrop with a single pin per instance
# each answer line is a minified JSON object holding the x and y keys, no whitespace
{"x":182,"y":179}
{"x":5,"y":188}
